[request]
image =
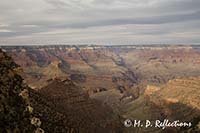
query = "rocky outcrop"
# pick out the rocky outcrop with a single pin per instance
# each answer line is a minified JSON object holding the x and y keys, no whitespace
{"x":78,"y":77}
{"x":178,"y":99}
{"x":177,"y":92}
{"x":150,"y":89}
{"x":15,"y":110}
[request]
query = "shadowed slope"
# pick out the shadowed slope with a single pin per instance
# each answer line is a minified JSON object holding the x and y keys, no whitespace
{"x":84,"y":114}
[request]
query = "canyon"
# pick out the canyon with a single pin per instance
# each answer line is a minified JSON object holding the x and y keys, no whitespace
{"x":89,"y":82}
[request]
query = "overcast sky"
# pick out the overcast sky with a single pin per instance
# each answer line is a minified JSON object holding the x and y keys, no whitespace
{"x":100,"y":21}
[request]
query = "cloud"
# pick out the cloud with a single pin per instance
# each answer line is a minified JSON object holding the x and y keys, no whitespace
{"x":99,"y":21}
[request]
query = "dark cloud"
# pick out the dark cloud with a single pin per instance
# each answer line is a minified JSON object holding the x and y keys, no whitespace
{"x":147,"y":20}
